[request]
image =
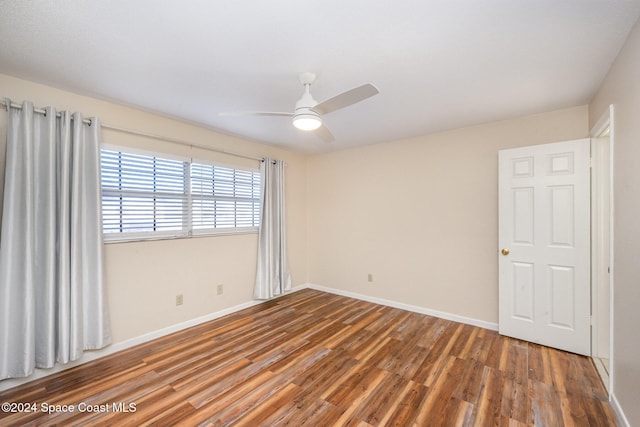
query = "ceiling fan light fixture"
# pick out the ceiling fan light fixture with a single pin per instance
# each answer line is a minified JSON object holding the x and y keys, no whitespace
{"x":307,"y":122}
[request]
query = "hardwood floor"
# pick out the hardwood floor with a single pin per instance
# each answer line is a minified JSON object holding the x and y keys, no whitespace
{"x":317,"y":359}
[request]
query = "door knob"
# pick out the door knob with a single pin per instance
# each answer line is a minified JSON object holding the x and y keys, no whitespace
{"x":505,"y":251}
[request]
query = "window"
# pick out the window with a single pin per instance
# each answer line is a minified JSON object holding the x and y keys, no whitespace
{"x":224,"y":197}
{"x":149,"y":197}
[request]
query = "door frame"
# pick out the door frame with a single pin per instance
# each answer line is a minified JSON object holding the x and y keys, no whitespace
{"x":606,"y":120}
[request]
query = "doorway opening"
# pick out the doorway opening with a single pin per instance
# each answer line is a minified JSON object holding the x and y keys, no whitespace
{"x":601,"y":246}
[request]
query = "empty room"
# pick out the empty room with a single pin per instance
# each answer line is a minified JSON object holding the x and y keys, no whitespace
{"x":365,"y":213}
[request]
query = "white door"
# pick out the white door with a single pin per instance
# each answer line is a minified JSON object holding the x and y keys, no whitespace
{"x":544,"y":238}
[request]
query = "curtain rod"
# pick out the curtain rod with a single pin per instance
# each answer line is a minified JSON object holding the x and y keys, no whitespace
{"x":145,"y":134}
{"x":177,"y":141}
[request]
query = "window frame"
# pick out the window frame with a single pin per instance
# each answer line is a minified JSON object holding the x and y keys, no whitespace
{"x":187,"y":230}
{"x":221,"y":230}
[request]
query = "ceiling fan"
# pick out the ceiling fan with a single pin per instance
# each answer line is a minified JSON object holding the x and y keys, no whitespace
{"x":308,"y":112}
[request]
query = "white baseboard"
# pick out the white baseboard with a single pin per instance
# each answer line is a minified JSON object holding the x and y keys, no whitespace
{"x":408,"y":307}
{"x":622,"y":419}
{"x":89,"y":356}
{"x":123,"y":345}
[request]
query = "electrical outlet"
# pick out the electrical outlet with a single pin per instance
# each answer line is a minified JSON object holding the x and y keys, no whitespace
{"x":179,"y":299}
{"x":220,"y":289}
{"x":370,"y":277}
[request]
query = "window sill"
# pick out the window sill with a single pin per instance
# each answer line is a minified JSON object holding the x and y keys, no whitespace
{"x":138,"y":238}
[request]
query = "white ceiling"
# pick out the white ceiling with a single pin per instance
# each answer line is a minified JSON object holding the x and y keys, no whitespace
{"x":439,"y":64}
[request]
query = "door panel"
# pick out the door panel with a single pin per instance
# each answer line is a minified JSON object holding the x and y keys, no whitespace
{"x":562,"y":216}
{"x":523,"y":294}
{"x":544,"y":289}
{"x":562,"y":294}
{"x":524,"y":214}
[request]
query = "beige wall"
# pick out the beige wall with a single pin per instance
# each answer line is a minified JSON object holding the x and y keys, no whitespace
{"x":143,"y":278}
{"x":421,"y":215}
{"x":621,"y":87}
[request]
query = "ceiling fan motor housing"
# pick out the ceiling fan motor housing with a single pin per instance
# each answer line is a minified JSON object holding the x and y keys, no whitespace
{"x":304,"y":117}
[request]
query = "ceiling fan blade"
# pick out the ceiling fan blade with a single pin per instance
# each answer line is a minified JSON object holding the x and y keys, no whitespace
{"x":346,"y":98}
{"x":254,"y":113}
{"x":323,"y":133}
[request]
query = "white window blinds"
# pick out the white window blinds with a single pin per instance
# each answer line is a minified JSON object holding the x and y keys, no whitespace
{"x":145,"y":197}
{"x":224,"y":198}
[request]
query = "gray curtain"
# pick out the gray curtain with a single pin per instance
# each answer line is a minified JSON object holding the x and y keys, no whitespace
{"x":272,"y":274}
{"x":52,"y":295}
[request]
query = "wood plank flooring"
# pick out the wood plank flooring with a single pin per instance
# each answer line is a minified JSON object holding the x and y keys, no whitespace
{"x":316,"y":359}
